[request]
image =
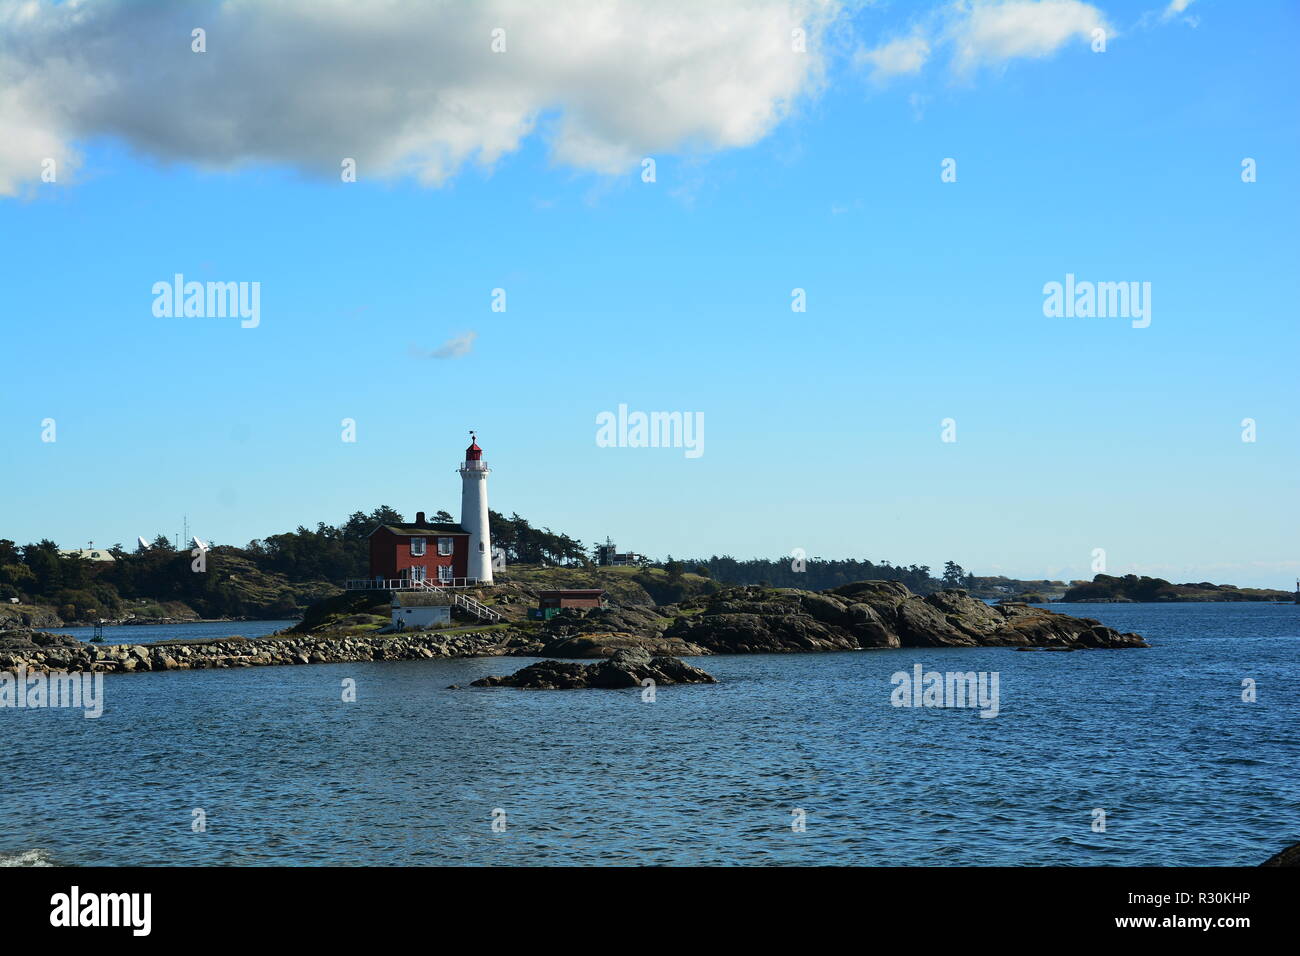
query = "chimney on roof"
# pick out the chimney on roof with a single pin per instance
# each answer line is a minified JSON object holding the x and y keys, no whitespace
{"x":419,"y":517}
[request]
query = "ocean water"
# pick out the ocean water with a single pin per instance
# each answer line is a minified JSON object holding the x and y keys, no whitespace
{"x":148,"y":633}
{"x":284,"y":771}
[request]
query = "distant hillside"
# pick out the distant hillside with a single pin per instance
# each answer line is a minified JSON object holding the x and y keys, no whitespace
{"x":821,"y":574}
{"x":1001,"y":588}
{"x":149,"y":586}
{"x":1131,"y":587}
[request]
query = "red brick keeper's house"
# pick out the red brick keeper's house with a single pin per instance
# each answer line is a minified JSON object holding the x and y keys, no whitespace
{"x":422,"y":551}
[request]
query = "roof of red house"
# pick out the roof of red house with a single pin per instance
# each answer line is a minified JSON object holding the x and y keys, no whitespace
{"x":572,"y":592}
{"x":428,"y":528}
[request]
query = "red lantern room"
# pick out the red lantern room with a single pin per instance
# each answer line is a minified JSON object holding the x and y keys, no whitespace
{"x":473,"y":452}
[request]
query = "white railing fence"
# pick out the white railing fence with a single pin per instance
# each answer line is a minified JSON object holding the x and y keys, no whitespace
{"x":407,"y":584}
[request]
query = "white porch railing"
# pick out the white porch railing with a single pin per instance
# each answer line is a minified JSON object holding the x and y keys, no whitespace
{"x":407,"y":584}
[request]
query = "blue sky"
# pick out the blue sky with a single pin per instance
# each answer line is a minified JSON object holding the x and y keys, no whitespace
{"x":822,"y":428}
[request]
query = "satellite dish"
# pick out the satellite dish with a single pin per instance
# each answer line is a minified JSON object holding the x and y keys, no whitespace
{"x":144,"y":545}
{"x":199,"y":544}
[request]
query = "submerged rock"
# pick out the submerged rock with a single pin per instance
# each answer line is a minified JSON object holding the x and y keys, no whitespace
{"x":626,"y":668}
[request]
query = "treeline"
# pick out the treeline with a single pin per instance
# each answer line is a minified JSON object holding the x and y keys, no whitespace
{"x":1132,"y":587}
{"x":273,"y":576}
{"x":278,"y":575}
{"x":151,"y":583}
{"x":525,"y":544}
{"x":339,"y":552}
{"x":324,"y":553}
{"x":818,"y":575}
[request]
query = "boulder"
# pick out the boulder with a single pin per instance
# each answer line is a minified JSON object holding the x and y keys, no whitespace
{"x":625,"y":668}
{"x":605,"y":645}
{"x":754,"y":633}
{"x":21,"y":640}
{"x":637,"y":620}
{"x":870,"y":628}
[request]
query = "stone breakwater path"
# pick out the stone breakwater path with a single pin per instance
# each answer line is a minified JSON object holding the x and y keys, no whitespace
{"x":37,"y":651}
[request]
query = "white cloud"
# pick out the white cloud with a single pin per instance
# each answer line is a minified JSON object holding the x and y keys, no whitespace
{"x":406,"y":87}
{"x":986,"y":32}
{"x":1178,"y":8}
{"x":904,"y":55}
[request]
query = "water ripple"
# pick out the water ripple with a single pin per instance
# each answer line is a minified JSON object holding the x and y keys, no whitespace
{"x":412,"y":773}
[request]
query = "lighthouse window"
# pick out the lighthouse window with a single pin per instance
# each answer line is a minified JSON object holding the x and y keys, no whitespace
{"x":417,"y":546}
{"x":445,"y":545}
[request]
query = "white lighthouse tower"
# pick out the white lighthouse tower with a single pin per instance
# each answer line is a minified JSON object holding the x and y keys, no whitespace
{"x":474,"y":512}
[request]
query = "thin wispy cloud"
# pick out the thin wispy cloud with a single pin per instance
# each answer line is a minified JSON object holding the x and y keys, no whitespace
{"x":456,"y":347}
{"x":897,"y":57}
{"x":1177,"y":8}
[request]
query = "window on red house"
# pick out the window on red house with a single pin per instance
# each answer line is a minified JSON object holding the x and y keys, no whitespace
{"x":445,"y":545}
{"x":417,"y":546}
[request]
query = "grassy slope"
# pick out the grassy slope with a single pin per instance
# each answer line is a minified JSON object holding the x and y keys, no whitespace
{"x":620,"y":584}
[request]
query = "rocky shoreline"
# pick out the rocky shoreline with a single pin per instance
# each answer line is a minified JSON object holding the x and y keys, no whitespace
{"x":736,"y":620}
{"x":865,"y":615}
